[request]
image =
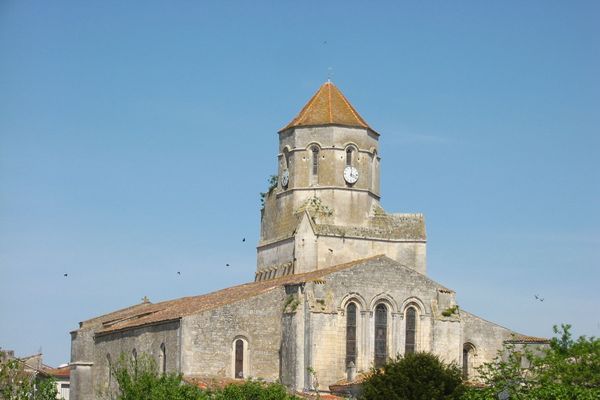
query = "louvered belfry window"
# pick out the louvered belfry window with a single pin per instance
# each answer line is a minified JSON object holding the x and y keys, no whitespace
{"x":351,"y":334}
{"x":315,"y":162}
{"x":349,"y":156}
{"x":411,"y":330}
{"x":380,"y":335}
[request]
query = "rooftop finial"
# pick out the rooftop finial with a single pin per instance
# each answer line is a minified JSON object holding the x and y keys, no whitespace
{"x":329,"y":74}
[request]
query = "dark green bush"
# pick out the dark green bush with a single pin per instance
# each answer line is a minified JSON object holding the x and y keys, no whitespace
{"x":253,"y":390}
{"x":418,"y":376}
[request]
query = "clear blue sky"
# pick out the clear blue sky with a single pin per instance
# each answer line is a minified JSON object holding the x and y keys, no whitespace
{"x":135,"y":138}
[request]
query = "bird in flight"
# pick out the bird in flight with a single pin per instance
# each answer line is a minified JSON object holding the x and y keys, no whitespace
{"x":65,"y":275}
{"x":227,"y":265}
{"x":244,"y":239}
{"x":178,"y":272}
{"x":538,"y":297}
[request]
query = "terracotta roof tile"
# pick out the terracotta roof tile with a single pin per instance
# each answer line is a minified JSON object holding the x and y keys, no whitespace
{"x":328,"y":107}
{"x":527,"y":339}
{"x":175,"y":309}
{"x":61,"y":372}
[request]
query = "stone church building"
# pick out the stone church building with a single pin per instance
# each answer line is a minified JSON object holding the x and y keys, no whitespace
{"x":340,"y":286}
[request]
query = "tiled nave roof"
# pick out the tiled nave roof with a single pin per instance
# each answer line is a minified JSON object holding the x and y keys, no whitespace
{"x":148,"y":313}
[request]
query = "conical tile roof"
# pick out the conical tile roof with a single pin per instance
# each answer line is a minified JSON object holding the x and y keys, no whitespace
{"x":328,"y":107}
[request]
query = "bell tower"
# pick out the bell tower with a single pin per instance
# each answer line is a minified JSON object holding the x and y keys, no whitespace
{"x":328,"y":151}
{"x":327,"y":187}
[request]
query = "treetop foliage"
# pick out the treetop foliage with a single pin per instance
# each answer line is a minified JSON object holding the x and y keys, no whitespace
{"x":418,"y":376}
{"x":140,"y":380}
{"x":567,"y":369}
{"x":18,"y":384}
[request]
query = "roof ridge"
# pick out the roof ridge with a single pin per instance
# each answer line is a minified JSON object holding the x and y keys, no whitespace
{"x":328,"y":106}
{"x":302,"y":114}
{"x":352,"y":109}
{"x":219,"y":298}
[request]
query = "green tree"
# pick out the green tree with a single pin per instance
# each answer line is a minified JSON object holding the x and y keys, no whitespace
{"x":18,"y":384}
{"x":567,"y":369}
{"x":418,"y":376}
{"x":139,"y":379}
{"x":253,"y":390}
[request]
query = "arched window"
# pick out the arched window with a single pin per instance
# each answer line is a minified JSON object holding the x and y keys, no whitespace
{"x":349,"y":152}
{"x":380,"y":335}
{"x":286,"y":158}
{"x":109,"y":364}
{"x":468,"y":352}
{"x":315,"y":164}
{"x":374,"y":167}
{"x":411,"y":330}
{"x":351,"y":334}
{"x":162,"y":359}
{"x":239,"y":359}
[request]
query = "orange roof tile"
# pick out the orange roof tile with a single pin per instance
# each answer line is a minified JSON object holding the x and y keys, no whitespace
{"x":174,"y":309}
{"x":527,"y":339}
{"x":328,"y":107}
{"x":61,"y":372}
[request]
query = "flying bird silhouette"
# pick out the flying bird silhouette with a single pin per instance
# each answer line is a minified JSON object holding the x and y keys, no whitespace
{"x":244,"y":239}
{"x":65,"y":275}
{"x":227,"y":265}
{"x":178,"y":272}
{"x":538,"y":297}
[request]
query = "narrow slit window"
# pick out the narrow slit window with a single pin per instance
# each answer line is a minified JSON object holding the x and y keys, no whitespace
{"x":239,"y":359}
{"x":349,"y":151}
{"x":163,"y":358}
{"x":351,"y":334}
{"x":411,"y":330}
{"x":468,"y":351}
{"x":109,"y":364}
{"x":286,"y":158}
{"x":315,"y":163}
{"x":465,"y":366}
{"x":380,"y":335}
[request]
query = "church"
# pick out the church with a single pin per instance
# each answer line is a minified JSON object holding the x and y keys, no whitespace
{"x":340,"y":286}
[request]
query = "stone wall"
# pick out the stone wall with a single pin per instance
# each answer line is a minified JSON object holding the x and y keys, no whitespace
{"x":332,"y":141}
{"x":336,"y":250}
{"x":82,"y":357}
{"x":146,"y":340}
{"x":485,"y":336}
{"x":367,"y":285}
{"x":208,"y":337}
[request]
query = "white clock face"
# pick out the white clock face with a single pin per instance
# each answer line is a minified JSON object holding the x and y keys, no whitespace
{"x":350,"y":174}
{"x":285,"y":178}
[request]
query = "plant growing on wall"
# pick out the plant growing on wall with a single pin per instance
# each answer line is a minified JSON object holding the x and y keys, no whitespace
{"x":448,"y":312}
{"x":273,"y":179}
{"x":315,"y":380}
{"x":291,"y":304}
